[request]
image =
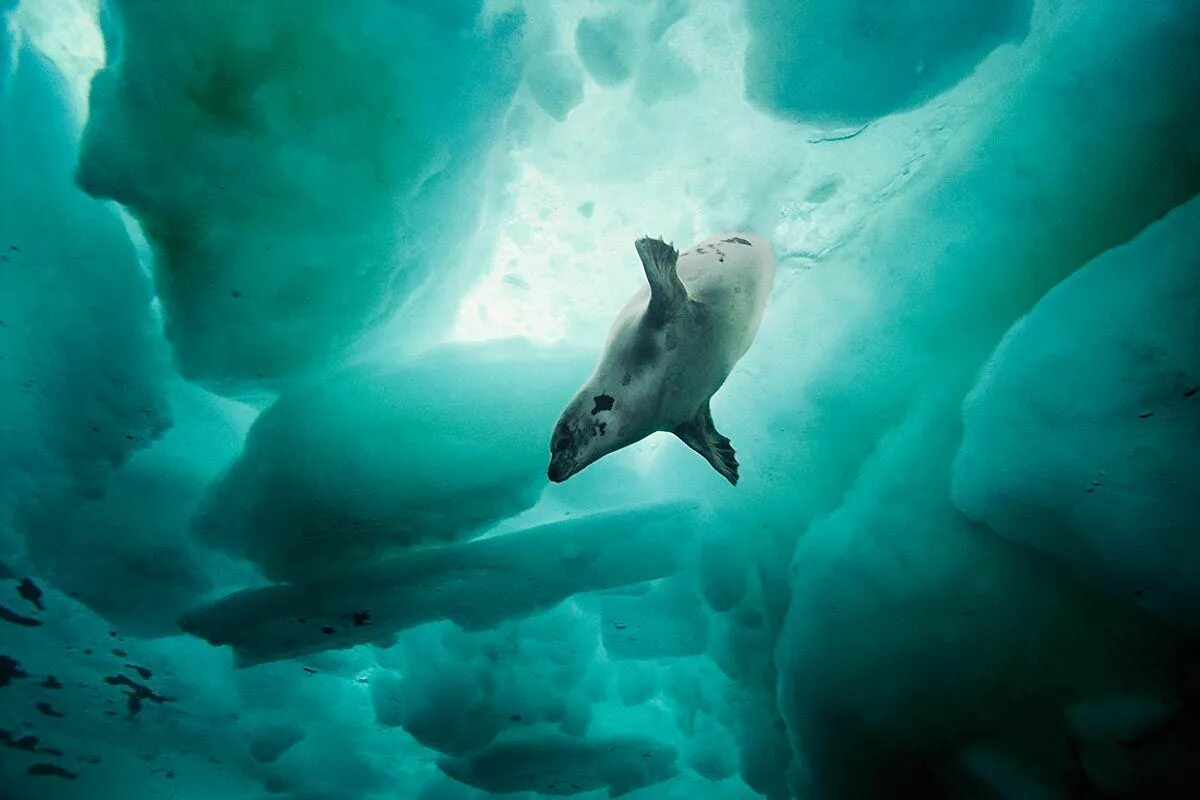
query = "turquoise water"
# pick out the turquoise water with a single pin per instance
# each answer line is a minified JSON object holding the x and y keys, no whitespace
{"x":292,"y":296}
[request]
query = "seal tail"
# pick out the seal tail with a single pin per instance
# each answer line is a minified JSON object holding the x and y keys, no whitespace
{"x":701,"y":435}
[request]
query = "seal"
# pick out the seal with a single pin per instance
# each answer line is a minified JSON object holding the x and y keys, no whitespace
{"x":669,"y":350}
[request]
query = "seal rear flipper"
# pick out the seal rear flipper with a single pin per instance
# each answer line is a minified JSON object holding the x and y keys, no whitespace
{"x":701,"y":435}
{"x":667,"y":292}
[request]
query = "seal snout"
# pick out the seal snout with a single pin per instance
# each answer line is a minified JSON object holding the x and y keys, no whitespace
{"x":560,"y":469}
{"x":562,"y":452}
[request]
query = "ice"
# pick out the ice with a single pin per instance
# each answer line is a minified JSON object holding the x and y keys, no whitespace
{"x":82,"y":372}
{"x":565,"y":766}
{"x":1081,"y":432}
{"x":556,"y":82}
{"x":722,"y":572}
{"x":383,"y":456}
{"x":276,"y":396}
{"x":268,"y":744}
{"x":70,"y":286}
{"x":980,"y":660}
{"x":456,"y":691}
{"x":136,"y":534}
{"x":475,"y":585}
{"x":666,"y":621}
{"x":295,"y":173}
{"x":606,"y":46}
{"x":662,"y":74}
{"x":6,"y":44}
{"x":905,"y":620}
{"x":852,"y":61}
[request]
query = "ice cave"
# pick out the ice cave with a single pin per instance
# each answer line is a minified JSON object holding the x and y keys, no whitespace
{"x":645,"y":399}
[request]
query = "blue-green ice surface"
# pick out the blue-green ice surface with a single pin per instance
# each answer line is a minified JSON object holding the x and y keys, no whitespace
{"x":292,"y":293}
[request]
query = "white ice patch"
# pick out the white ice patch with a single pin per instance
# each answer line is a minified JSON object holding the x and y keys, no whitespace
{"x":68,"y":33}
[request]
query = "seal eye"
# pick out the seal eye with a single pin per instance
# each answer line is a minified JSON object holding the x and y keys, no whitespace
{"x":561,"y":440}
{"x":604,"y":402}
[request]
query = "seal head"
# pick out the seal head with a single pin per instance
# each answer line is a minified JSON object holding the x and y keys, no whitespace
{"x":586,"y":431}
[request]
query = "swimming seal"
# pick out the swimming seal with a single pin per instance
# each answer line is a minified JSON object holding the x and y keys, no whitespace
{"x":669,"y":350}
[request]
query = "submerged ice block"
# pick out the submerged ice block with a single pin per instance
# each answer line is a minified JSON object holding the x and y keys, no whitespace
{"x":558,"y":765}
{"x":297,"y":171}
{"x":476,"y":585}
{"x":381,"y":457}
{"x":1080,"y":437}
{"x":852,"y":61}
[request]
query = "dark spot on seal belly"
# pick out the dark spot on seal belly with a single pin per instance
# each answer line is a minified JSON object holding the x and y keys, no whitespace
{"x":626,"y":378}
{"x":604,"y":402}
{"x":738,"y":240}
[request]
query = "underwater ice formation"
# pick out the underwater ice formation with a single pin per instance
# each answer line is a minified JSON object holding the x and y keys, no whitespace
{"x":6,"y":45}
{"x":986,"y":294}
{"x":606,"y":46}
{"x":665,"y":621}
{"x":1104,"y":375}
{"x":128,"y":554}
{"x":907,"y":368}
{"x":852,"y":61}
{"x":556,"y":82}
{"x":81,"y":366}
{"x":70,"y":287}
{"x":663,"y":75}
{"x":565,"y":766}
{"x":294,"y":169}
{"x":475,"y":585}
{"x":627,"y":44}
{"x":268,"y":744}
{"x":381,"y":456}
{"x":455,"y":691}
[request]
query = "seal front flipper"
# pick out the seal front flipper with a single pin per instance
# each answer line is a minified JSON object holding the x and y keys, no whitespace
{"x":701,"y":435}
{"x":667,"y":292}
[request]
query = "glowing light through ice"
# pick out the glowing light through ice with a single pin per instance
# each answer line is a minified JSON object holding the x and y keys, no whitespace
{"x":68,"y":33}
